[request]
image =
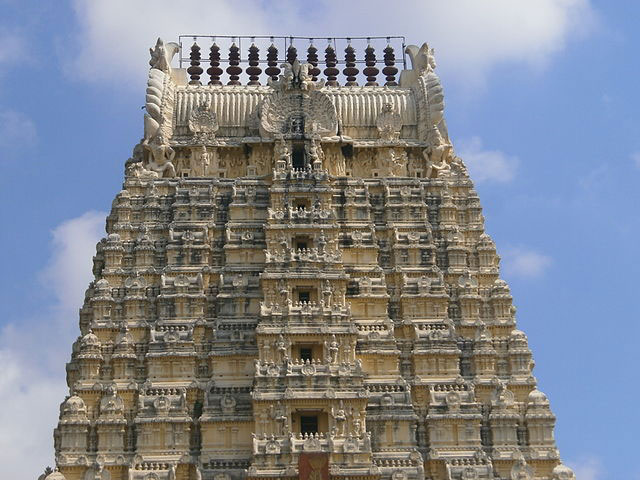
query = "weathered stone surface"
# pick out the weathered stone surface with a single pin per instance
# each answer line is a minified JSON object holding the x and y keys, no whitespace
{"x":297,"y":268}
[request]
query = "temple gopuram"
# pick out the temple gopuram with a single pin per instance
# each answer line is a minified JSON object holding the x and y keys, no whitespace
{"x":296,"y":283}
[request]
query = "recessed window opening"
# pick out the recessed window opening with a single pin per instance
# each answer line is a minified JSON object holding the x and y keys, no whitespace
{"x":306,"y":353}
{"x":301,"y":203}
{"x":302,"y":243}
{"x":304,"y":296}
{"x":297,"y":158}
{"x":308,"y":424}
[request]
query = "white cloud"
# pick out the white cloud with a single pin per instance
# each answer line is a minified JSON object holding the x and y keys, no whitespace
{"x":524,"y":262}
{"x":587,"y":468}
{"x":17,"y":131}
{"x":487,"y":165}
{"x":74,"y":244}
{"x":635,"y":157}
{"x":33,"y":352}
{"x":14,"y":47}
{"x":470,"y":37}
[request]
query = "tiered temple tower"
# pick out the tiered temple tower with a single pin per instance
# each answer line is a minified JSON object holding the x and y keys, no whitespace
{"x":296,"y":283}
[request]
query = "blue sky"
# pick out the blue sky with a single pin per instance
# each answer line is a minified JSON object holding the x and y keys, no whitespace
{"x":542,"y":104}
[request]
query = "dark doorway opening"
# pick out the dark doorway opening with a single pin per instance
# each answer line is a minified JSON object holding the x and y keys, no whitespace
{"x":308,"y":424}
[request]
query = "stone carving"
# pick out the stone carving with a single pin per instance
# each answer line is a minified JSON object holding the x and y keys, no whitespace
{"x":172,"y":472}
{"x":469,"y":473}
{"x":429,"y":89}
{"x":161,"y":157}
{"x":161,"y":55}
{"x":520,"y":470}
{"x":294,"y":108}
{"x":395,"y":161}
{"x":438,"y":155}
{"x":159,"y":77}
{"x":388,"y":123}
{"x":314,"y":154}
{"x":236,"y":323}
{"x":422,"y":59}
{"x":562,"y":472}
{"x":156,"y":86}
{"x":204,"y":124}
{"x":228,"y":404}
{"x":204,"y":161}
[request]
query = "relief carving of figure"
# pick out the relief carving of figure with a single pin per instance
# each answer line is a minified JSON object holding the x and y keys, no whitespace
{"x":315,"y":154}
{"x":161,"y":157}
{"x":137,"y":170}
{"x":388,"y":123}
{"x":438,"y":154}
{"x":397,"y":162}
{"x":172,"y":472}
{"x":335,"y":162}
{"x":340,"y":416}
{"x":281,"y":153}
{"x":203,"y":162}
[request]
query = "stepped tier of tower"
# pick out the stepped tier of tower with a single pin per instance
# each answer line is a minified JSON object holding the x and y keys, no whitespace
{"x":296,"y":283}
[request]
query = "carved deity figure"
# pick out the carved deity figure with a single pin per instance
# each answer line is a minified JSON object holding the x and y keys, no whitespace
{"x":315,"y":154}
{"x":438,"y":154}
{"x":172,"y":472}
{"x":334,"y":347}
{"x":397,"y":162}
{"x":388,"y":123}
{"x":340,"y":416}
{"x":282,"y":154}
{"x":161,"y":157}
{"x":335,"y":163}
{"x":281,"y":347}
{"x":203,"y":161}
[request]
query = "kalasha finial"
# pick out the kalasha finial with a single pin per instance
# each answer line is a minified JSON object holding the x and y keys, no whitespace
{"x":350,"y":71}
{"x":233,"y":69}
{"x":390,"y":69}
{"x":331,"y":72}
{"x":214,"y":70}
{"x":292,"y":54}
{"x":312,"y":58}
{"x":195,"y":70}
{"x":254,"y":70}
{"x":272,"y":62}
{"x":371,"y":71}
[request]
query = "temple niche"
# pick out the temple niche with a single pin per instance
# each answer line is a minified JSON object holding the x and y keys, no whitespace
{"x":295,"y":282}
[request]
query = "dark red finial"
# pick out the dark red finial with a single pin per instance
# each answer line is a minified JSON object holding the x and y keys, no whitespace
{"x":390,"y":69}
{"x":233,"y":69}
{"x":292,"y":54}
{"x":371,"y":71}
{"x":312,"y":58}
{"x":253,"y":70}
{"x":214,"y":70}
{"x":195,"y":70}
{"x":272,"y":62}
{"x":350,"y":71}
{"x":331,"y":72}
